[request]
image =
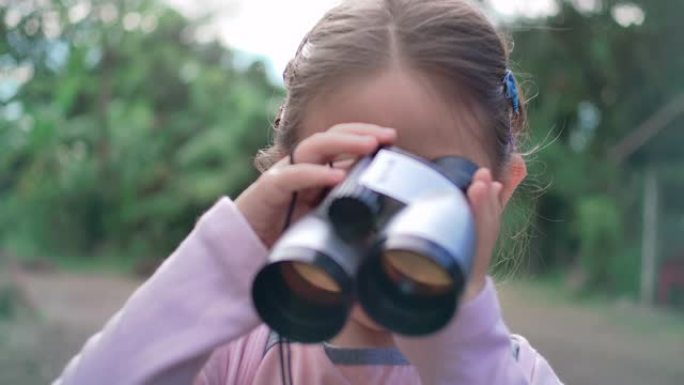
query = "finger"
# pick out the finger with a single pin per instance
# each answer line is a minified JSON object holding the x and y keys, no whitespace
{"x":476,"y":194}
{"x":483,"y":174}
{"x":283,"y":181}
{"x":384,"y":135}
{"x":323,"y":147}
{"x":485,"y":211}
{"x":487,"y":207}
{"x":344,"y":164}
{"x":483,"y":196}
{"x":497,"y":187}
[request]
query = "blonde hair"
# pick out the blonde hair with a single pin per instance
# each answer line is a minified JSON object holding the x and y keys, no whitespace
{"x":450,"y":41}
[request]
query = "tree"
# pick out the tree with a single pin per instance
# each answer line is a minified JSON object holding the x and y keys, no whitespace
{"x":124,"y":130}
{"x":598,"y":74}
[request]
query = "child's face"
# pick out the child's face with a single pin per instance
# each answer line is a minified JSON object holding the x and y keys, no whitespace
{"x":427,"y":124}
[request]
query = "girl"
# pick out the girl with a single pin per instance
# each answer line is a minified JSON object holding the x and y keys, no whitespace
{"x":429,"y":76}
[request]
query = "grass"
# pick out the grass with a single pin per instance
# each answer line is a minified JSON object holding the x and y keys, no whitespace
{"x":108,"y":264}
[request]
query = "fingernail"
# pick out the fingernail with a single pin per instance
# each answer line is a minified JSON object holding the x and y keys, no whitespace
{"x":389,"y":131}
{"x":486,"y":174}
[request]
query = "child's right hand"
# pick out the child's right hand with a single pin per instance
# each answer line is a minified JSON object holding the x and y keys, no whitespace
{"x":264,"y":203}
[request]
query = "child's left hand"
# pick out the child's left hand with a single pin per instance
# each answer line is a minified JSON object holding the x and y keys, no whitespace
{"x":484,"y":195}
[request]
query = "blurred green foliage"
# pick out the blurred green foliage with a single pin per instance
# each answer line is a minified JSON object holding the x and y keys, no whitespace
{"x":124,"y":131}
{"x":118,"y":128}
{"x":596,"y":74}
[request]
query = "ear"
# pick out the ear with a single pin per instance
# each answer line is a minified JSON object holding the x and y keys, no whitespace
{"x":514,"y":173}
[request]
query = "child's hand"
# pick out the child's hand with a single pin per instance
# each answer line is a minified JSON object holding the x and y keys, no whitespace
{"x":484,"y":196}
{"x":265,"y":202}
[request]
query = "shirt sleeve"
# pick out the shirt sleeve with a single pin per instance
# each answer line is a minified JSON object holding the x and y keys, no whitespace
{"x":532,"y":363}
{"x":475,"y":348}
{"x":198,"y":300}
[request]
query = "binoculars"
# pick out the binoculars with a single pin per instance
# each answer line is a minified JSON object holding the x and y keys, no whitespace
{"x":397,"y":235}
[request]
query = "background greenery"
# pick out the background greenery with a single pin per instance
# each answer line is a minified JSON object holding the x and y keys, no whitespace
{"x":117,"y":131}
{"x":121,"y":136}
{"x":594,"y":83}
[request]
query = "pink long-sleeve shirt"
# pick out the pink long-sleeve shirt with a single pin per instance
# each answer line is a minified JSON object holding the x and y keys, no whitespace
{"x":193,"y":322}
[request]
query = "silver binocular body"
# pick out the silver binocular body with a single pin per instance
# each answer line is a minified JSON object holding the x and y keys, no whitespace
{"x":397,"y":235}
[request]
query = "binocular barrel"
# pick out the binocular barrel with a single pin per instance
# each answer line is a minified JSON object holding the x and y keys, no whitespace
{"x":353,"y":209}
{"x":306,"y":290}
{"x":397,"y":235}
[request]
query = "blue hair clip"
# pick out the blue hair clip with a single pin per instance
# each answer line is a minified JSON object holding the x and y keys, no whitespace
{"x":511,"y":91}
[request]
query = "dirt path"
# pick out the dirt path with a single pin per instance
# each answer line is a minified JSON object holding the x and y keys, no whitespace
{"x":70,"y":307}
{"x":586,"y":345}
{"x":606,"y":344}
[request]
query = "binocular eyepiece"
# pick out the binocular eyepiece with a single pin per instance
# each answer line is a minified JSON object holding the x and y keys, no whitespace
{"x":397,"y":235}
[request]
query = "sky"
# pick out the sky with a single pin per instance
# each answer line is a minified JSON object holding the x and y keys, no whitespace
{"x":272,"y":29}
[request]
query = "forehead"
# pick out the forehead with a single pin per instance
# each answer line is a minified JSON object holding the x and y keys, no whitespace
{"x":427,"y":123}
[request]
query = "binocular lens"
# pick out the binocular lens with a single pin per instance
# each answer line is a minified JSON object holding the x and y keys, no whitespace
{"x":311,"y":283}
{"x":352,"y":218}
{"x":407,"y":292}
{"x":414,"y":273}
{"x":305,"y":302}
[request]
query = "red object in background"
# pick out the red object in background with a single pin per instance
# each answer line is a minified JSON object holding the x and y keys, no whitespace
{"x":670,"y":278}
